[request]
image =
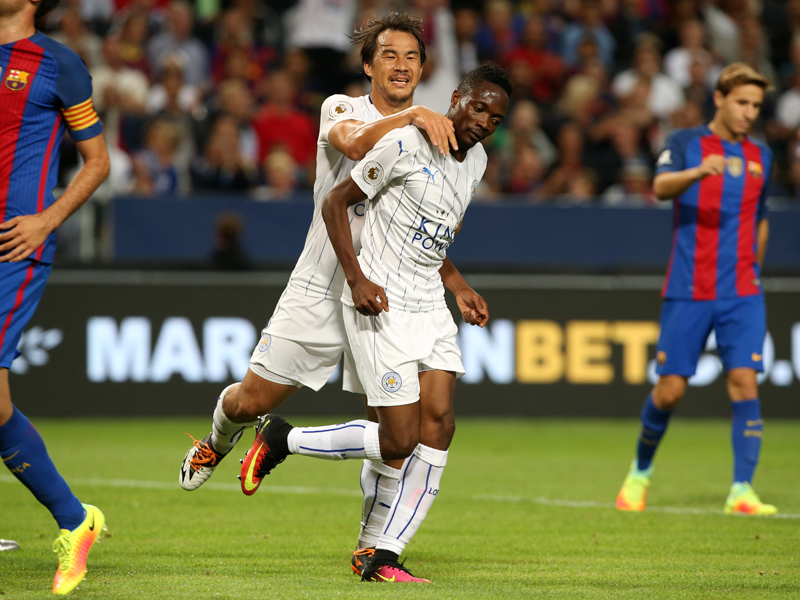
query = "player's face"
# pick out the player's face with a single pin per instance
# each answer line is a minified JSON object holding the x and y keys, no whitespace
{"x":740,"y":108}
{"x":396,"y":67}
{"x":478,"y":114}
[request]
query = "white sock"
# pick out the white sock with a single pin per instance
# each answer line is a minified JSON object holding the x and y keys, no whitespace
{"x":417,"y":489}
{"x":355,"y":439}
{"x":224,"y":432}
{"x":379,"y":484}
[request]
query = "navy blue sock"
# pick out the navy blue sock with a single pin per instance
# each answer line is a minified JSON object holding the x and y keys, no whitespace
{"x":23,"y":452}
{"x":654,"y":424}
{"x":746,"y":428}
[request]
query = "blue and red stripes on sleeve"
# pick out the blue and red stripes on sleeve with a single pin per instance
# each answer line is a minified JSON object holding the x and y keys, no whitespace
{"x":45,"y":89}
{"x":715,"y":229}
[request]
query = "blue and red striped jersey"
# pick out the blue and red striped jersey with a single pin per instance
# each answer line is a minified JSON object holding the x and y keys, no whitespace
{"x":714,"y":232}
{"x":44,"y":89}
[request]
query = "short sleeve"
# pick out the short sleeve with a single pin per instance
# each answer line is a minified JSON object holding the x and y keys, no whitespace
{"x":392,"y":157}
{"x":74,"y":92}
{"x":673,"y":157}
{"x":338,"y":108}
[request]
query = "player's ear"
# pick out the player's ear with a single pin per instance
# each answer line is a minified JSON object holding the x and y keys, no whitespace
{"x":455,"y":98}
{"x":719,"y":98}
{"x":367,"y":70}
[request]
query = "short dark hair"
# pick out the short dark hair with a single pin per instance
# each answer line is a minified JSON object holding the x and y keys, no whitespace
{"x":45,"y":6}
{"x":486,"y":73}
{"x":367,"y":34}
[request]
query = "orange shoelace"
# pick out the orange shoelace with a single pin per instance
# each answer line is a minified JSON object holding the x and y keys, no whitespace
{"x":204,"y":456}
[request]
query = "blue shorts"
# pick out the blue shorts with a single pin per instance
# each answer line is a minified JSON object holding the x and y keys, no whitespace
{"x":740,"y":325}
{"x":21,"y":287}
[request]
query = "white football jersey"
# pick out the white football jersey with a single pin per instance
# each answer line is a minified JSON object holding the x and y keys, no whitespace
{"x":417,"y":199}
{"x":317,"y":272}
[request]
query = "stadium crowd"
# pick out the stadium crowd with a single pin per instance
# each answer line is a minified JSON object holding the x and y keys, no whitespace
{"x":224,"y":95}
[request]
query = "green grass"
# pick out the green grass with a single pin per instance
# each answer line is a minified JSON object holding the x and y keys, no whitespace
{"x":499,"y":528}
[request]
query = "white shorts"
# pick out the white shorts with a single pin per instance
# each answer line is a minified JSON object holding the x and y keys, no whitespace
{"x":304,"y":342}
{"x":391,"y":349}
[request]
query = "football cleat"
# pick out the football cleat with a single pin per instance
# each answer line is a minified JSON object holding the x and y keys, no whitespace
{"x":8,"y":545}
{"x":744,"y":501}
{"x":198,"y":464}
{"x":262,"y":457}
{"x":359,"y":558}
{"x":73,"y":547}
{"x":633,"y":494}
{"x":383,"y":567}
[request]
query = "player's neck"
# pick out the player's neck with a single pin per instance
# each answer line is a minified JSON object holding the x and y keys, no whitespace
{"x":16,"y":27}
{"x":385,"y":106}
{"x":718,"y":128}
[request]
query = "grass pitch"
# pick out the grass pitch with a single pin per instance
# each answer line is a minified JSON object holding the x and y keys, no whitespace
{"x":525,"y":511}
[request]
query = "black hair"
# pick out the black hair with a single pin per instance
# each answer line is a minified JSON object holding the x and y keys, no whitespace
{"x":367,"y":34}
{"x":486,"y":73}
{"x":45,"y":6}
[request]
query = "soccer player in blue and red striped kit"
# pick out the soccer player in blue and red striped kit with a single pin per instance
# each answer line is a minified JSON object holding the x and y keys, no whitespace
{"x":718,"y":178}
{"x":45,"y":89}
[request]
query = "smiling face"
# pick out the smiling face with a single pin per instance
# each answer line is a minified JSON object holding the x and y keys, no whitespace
{"x":396,"y":67}
{"x":477,"y":113}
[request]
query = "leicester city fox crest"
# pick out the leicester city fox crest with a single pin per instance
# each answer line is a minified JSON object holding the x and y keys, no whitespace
{"x":17,"y":79}
{"x":391,"y":382}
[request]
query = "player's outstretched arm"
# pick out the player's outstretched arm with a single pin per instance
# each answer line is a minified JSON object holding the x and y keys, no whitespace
{"x":671,"y":185}
{"x":473,"y":307}
{"x":22,"y":236}
{"x":368,"y":298}
{"x":355,"y":138}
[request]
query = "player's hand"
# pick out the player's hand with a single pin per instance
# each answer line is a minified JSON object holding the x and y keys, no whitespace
{"x":22,"y":236}
{"x":713,"y":164}
{"x":473,"y":307}
{"x":369,"y":298}
{"x":438,"y":127}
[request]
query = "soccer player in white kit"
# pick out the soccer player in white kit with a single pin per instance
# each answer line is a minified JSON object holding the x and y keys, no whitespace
{"x":305,"y":338}
{"x":402,"y":336}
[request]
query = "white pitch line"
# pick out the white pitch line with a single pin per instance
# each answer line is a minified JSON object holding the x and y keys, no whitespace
{"x":233,"y":487}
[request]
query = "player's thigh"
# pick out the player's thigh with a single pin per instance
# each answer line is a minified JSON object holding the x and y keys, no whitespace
{"x":685,"y":325}
{"x":386,"y":352}
{"x":21,"y":287}
{"x":740,"y":325}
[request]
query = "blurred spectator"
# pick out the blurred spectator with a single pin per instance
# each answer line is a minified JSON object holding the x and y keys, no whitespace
{"x":678,"y":61}
{"x":526,"y":172}
{"x":228,"y":254}
{"x":581,"y":189}
{"x":754,"y":49}
{"x":222,"y":167}
{"x":281,"y":123}
{"x":633,"y":189}
{"x":722,"y":22}
{"x":589,"y":26}
{"x":236,"y":54}
{"x":499,"y":32}
{"x":280,"y":175}
{"x":466,"y":25}
{"x":173,"y":94}
{"x":132,"y":38}
{"x":236,"y":101}
{"x":77,"y":37}
{"x":665,"y":95}
{"x":320,"y":29}
{"x":690,"y":115}
{"x":154,"y":166}
{"x":440,"y":76}
{"x":544,"y":67}
{"x":578,"y":103}
{"x":119,"y":91}
{"x":570,"y":164}
{"x":524,"y":127}
{"x":177,"y":40}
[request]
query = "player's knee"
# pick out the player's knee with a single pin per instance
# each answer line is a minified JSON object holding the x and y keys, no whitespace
{"x":241,"y":404}
{"x":742,"y":385}
{"x":668,"y":394}
{"x":398,"y":445}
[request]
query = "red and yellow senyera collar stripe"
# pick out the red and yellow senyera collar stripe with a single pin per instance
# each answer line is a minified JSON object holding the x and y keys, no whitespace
{"x":80,"y":116}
